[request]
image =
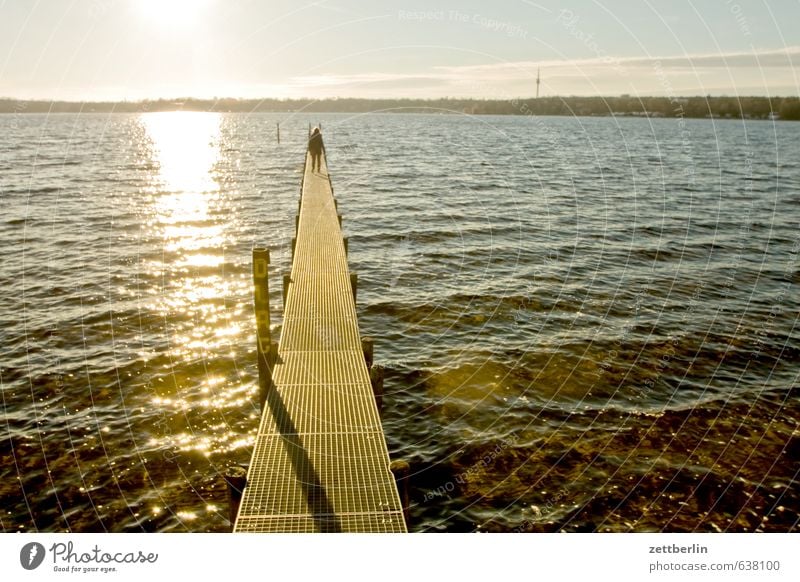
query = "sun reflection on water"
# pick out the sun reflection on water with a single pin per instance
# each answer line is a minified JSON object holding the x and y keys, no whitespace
{"x":186,"y":147}
{"x":189,"y":214}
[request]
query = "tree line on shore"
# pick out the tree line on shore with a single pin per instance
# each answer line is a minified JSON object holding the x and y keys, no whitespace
{"x":624,"y":105}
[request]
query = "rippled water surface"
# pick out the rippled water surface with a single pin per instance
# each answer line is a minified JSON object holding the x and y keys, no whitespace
{"x":587,"y":324}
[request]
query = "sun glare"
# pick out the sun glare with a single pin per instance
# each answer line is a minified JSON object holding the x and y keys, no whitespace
{"x":171,"y":14}
{"x":183,"y":150}
{"x":186,"y":147}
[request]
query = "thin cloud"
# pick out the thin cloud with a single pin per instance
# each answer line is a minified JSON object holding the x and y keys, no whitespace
{"x":319,"y":81}
{"x":682,"y":74}
{"x":760,"y":58}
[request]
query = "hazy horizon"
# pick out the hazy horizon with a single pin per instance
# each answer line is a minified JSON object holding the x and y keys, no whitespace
{"x":388,"y":98}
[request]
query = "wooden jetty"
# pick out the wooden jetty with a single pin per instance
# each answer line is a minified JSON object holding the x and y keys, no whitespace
{"x":320,"y":462}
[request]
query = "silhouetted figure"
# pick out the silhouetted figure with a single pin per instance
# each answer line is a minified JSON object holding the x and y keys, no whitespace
{"x":315,"y":148}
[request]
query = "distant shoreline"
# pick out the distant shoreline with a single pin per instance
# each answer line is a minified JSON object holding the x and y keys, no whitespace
{"x":785,"y":108}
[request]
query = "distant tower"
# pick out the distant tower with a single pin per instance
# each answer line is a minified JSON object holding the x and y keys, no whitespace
{"x":538,"y":80}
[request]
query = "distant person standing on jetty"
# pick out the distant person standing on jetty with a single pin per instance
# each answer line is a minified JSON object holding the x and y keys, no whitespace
{"x":315,"y":148}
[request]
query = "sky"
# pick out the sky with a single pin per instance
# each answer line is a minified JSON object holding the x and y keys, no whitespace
{"x":146,"y":49}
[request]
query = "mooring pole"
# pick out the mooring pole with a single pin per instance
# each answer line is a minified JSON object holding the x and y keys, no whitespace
{"x":236,"y":478}
{"x":368,"y":347}
{"x":376,"y":375}
{"x":287,"y":280}
{"x":401,"y":471}
{"x":261,"y":304}
{"x":278,"y":126}
{"x":272,"y":359}
{"x":354,"y":284}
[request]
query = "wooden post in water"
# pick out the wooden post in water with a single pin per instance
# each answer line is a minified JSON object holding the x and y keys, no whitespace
{"x":401,"y":471}
{"x":346,"y":241}
{"x":236,"y":478}
{"x":368,"y":347}
{"x":354,"y":284}
{"x":278,"y":126}
{"x":376,"y":374}
{"x":261,"y":304}
{"x":287,"y":280}
{"x":271,"y":360}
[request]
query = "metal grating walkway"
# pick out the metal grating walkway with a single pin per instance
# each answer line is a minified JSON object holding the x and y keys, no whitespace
{"x":320,"y":462}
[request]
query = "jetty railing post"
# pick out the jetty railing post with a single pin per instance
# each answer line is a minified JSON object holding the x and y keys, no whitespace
{"x":236,"y":478}
{"x":261,"y":304}
{"x":376,"y":375}
{"x":368,"y":347}
{"x":401,"y":471}
{"x":354,"y":285}
{"x":272,"y":359}
{"x":287,"y":280}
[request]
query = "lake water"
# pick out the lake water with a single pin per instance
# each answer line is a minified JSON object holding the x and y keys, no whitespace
{"x":587,"y":324}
